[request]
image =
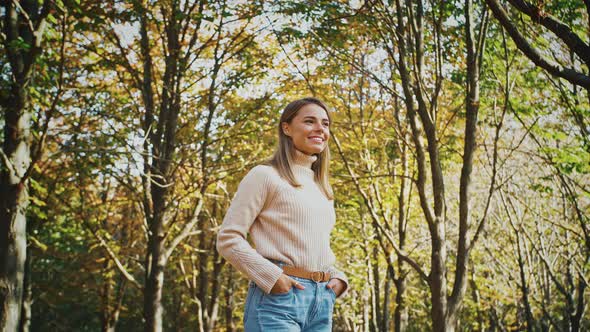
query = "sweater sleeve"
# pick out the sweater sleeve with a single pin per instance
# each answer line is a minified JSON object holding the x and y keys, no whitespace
{"x":252,"y":193}
{"x":335,"y":273}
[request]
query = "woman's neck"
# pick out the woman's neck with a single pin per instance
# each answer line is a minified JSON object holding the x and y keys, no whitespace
{"x":302,"y":159}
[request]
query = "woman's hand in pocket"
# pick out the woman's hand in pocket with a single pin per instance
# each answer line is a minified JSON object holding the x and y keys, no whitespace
{"x":284,"y":284}
{"x":337,"y":285}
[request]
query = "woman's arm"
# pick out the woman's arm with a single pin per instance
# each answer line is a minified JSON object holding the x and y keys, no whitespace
{"x":253,"y":191}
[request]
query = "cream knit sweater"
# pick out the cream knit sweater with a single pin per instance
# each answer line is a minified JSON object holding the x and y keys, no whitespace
{"x":285,"y":223}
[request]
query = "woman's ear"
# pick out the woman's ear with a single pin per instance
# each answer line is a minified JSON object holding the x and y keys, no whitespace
{"x":285,"y":127}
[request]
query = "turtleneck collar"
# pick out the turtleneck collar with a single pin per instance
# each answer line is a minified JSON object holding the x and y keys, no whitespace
{"x":303,"y":159}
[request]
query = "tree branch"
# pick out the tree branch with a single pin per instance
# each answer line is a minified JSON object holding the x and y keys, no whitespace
{"x":118,"y":263}
{"x":532,"y":53}
{"x":558,"y":28}
{"x":24,"y":13}
{"x":6,"y":161}
{"x":187,"y":230}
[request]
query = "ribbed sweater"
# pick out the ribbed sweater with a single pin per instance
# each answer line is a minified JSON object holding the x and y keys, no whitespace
{"x":285,"y":223}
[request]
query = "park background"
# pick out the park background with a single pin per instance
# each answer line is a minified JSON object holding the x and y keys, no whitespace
{"x":460,"y":158}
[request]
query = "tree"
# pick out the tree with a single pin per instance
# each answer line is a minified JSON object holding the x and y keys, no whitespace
{"x":23,"y":29}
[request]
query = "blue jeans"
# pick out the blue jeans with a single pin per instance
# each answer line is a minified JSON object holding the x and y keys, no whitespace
{"x":297,"y":310}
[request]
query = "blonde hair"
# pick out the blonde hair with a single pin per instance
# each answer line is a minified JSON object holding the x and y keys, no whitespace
{"x":285,"y":152}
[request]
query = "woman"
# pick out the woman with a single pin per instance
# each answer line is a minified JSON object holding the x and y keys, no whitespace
{"x":286,"y":205}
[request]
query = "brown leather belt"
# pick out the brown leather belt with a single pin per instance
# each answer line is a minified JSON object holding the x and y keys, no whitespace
{"x":317,"y":276}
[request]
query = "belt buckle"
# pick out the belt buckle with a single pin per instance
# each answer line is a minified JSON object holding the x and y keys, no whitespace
{"x":320,"y":275}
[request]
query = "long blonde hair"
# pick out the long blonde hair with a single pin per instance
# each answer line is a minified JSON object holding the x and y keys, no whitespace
{"x":285,"y":152}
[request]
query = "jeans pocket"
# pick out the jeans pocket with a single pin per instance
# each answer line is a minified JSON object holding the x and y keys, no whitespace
{"x":278,"y":299}
{"x":282,"y":294}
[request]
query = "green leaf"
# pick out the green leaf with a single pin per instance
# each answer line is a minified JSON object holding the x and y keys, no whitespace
{"x":19,"y":44}
{"x":51,"y":19}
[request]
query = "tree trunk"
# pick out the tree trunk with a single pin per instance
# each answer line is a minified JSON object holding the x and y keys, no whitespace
{"x":153,"y":309}
{"x":523,"y":281}
{"x":27,"y":306}
{"x":14,"y":201}
{"x":474,"y":50}
{"x":576,"y":316}
{"x":386,"y":299}
{"x":109,"y":328}
{"x":229,"y":302}
{"x":15,"y":156}
{"x":155,"y":264}
{"x":215,"y":289}
{"x":154,"y":279}
{"x":438,"y":282}
{"x":163,"y":146}
{"x":401,"y":311}
{"x":111,"y":304}
{"x":154,"y":269}
{"x":376,"y":319}
{"x":203,"y":278}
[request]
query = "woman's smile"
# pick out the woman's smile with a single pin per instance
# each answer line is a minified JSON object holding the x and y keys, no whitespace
{"x":317,"y":139}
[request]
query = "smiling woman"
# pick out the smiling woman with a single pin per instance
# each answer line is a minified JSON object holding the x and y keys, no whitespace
{"x":287,"y":206}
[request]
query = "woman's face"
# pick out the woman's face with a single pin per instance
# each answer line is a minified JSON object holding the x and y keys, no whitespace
{"x":309,"y":129}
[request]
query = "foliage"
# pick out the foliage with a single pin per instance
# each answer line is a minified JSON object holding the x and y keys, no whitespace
{"x":87,"y":200}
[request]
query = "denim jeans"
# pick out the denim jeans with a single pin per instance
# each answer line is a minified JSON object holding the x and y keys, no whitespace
{"x":297,"y":310}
